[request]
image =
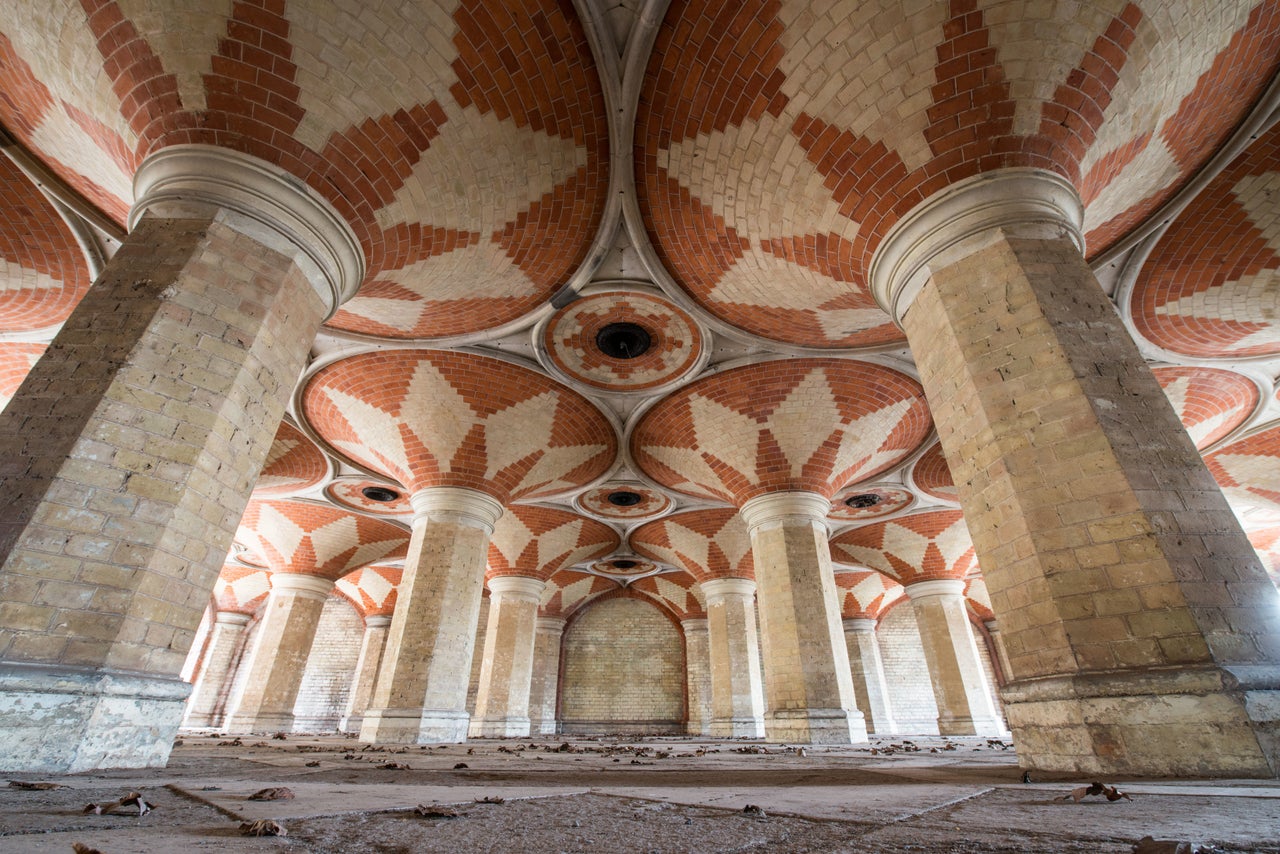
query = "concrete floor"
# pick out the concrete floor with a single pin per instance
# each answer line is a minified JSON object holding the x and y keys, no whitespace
{"x":648,"y":795}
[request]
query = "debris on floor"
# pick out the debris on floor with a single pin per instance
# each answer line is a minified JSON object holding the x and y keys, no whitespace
{"x":274,"y":793}
{"x":22,"y":784}
{"x":436,"y":812}
{"x":81,"y":848}
{"x":1095,"y":788}
{"x":491,"y":799}
{"x":133,"y":799}
{"x":1148,"y":845}
{"x":262,"y":827}
{"x":753,"y":810}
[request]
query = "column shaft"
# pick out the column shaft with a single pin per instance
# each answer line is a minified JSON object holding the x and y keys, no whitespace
{"x":546,"y":676}
{"x":869,"y":685}
{"x":421,"y":691}
{"x":697,"y":658}
{"x":278,"y":659}
{"x":502,"y":702}
{"x":951,"y":654}
{"x":216,"y":670}
{"x":372,"y":644}
{"x":808,"y":687}
{"x":737,"y":696}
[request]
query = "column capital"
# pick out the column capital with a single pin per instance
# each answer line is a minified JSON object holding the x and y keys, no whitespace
{"x":717,"y":589}
{"x":468,"y":506}
{"x":517,"y":587}
{"x":782,"y":506}
{"x":311,"y":586}
{"x":935,"y":587}
{"x":860,"y":625}
{"x":550,"y":625}
{"x":377,"y":621}
{"x":294,"y":218}
{"x":1019,"y":197}
{"x":694,"y":624}
{"x":231,"y":618}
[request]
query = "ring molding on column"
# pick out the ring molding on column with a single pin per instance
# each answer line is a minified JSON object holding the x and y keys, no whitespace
{"x":468,"y":506}
{"x":779,"y":506}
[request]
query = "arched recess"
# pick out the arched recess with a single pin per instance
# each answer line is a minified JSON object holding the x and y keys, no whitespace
{"x":622,"y":669}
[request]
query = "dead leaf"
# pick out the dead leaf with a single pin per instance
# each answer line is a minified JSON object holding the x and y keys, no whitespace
{"x":314,"y":763}
{"x":460,"y":766}
{"x":753,"y":810}
{"x":275,"y":793}
{"x":436,"y":812}
{"x":280,"y":736}
{"x":133,"y":799}
{"x":1114,"y":794}
{"x":81,"y":848}
{"x":262,"y":827}
{"x":1147,"y":845}
{"x":1095,"y":788}
{"x":490,"y":799}
{"x":22,"y":784}
{"x":395,"y":766}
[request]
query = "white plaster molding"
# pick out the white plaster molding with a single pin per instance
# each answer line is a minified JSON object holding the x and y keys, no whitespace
{"x":968,"y":209}
{"x":860,"y":625}
{"x":294,"y":214}
{"x":377,"y":621}
{"x":695,"y":624}
{"x":231,"y":618}
{"x":307,"y":586}
{"x":550,"y":625}
{"x":719,"y":589}
{"x":458,"y":503}
{"x":785,"y":506}
{"x":935,"y":587}
{"x":517,"y":587}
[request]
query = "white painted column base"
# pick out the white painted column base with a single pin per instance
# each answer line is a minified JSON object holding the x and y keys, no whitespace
{"x":814,"y":726}
{"x":500,"y":727}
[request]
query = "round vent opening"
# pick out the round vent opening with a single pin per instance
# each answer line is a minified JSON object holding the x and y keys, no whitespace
{"x":623,"y":340}
{"x":863,"y":501}
{"x":379,"y":493}
{"x":624,"y":564}
{"x":624,"y":498}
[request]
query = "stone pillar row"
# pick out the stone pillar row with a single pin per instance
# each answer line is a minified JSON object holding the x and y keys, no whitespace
{"x":506,"y":673}
{"x":737,"y":695}
{"x":372,"y":644}
{"x":869,"y":686}
{"x":219,"y":660}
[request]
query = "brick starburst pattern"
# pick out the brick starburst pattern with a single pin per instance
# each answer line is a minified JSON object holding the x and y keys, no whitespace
{"x":316,"y":539}
{"x":1248,"y":469}
{"x":293,"y":463}
{"x":465,"y":142}
{"x":241,"y":589}
{"x":1210,"y":402}
{"x":43,"y":273}
{"x":795,"y":424}
{"x":779,"y":140}
{"x":428,"y":418}
{"x":16,"y":361}
{"x":866,"y":593}
{"x":350,"y":493}
{"x":705,"y":543}
{"x":372,"y":589}
{"x":569,"y":589}
{"x":914,"y":548}
{"x":674,"y":342}
{"x":597,"y":502}
{"x":1209,"y":288}
{"x":537,"y":542}
{"x":889,"y":499}
{"x":932,"y":475}
{"x":677,"y":592}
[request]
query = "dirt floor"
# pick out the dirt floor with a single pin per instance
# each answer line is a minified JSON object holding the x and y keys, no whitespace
{"x":646,"y":795}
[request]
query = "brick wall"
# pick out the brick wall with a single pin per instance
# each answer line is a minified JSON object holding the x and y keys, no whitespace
{"x":331,"y":667}
{"x":477,"y":655}
{"x":910,"y":689}
{"x":623,"y":671}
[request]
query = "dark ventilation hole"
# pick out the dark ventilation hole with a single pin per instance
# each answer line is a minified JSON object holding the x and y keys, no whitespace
{"x":379,"y":493}
{"x":624,"y":564}
{"x":623,"y":498}
{"x":623,"y":340}
{"x":860,"y":502}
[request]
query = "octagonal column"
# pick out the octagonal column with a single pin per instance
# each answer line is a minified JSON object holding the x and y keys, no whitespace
{"x":224,"y":640}
{"x":129,"y":452}
{"x":278,"y":659}
{"x":502,"y":703}
{"x":697,"y":660}
{"x":951,"y":654}
{"x":737,"y":696}
{"x":997,"y":644}
{"x":1136,"y":616}
{"x":808,"y":687}
{"x":546,"y":675}
{"x":421,"y":691}
{"x":372,"y":644}
{"x":867,"y":668}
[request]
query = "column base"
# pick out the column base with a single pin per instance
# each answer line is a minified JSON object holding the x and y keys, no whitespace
{"x":1203,"y":722}
{"x":737,"y":728}
{"x":815,"y":726}
{"x":61,"y":720}
{"x":551,"y":727}
{"x":499,"y":728}
{"x":262,"y":723}
{"x":351,"y":723}
{"x":414,"y":726}
{"x":965,"y":725}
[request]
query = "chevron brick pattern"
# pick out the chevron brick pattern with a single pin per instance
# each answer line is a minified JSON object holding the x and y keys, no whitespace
{"x":294,"y":463}
{"x":919,"y":547}
{"x":866,"y":594}
{"x":1210,"y":402}
{"x":372,"y":589}
{"x":316,"y":539}
{"x":704,"y":543}
{"x":537,"y":542}
{"x":16,"y":361}
{"x":434,"y":418}
{"x":932,"y":476}
{"x":676,"y":592}
{"x":1248,"y":469}
{"x":795,"y":424}
{"x":241,"y":589}
{"x":569,"y":589}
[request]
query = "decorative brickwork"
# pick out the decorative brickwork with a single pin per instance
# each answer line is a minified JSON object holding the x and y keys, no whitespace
{"x":1210,"y":402}
{"x":434,"y":418}
{"x":372,"y":589}
{"x":910,"y":549}
{"x":705,"y":543}
{"x":316,"y":539}
{"x":16,"y":361}
{"x":568,"y":590}
{"x":647,"y":501}
{"x":351,"y":493}
{"x":677,"y":592}
{"x":538,"y":542}
{"x":858,"y":502}
{"x":241,"y":589}
{"x":293,"y":463}
{"x":865,"y":594}
{"x":794,"y":424}
{"x":1247,"y":469}
{"x":932,"y":476}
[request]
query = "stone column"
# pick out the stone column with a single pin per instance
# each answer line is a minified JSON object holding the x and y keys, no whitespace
{"x":1136,"y":616}
{"x":421,"y":692}
{"x":506,"y":674}
{"x":867,"y":668}
{"x":1001,"y":655}
{"x":129,"y":454}
{"x":224,"y":640}
{"x":372,"y":645}
{"x":959,"y":683}
{"x":697,"y":657}
{"x":546,"y":675}
{"x":737,"y":696}
{"x":808,"y":687}
{"x":281,"y":647}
